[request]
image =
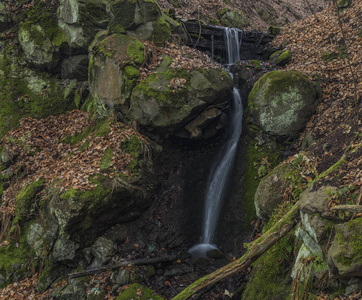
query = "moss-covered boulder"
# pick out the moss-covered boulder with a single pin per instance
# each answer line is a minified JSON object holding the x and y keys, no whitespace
{"x":345,"y":254}
{"x":140,"y":18}
{"x":232,"y":18}
{"x":137,"y":291}
{"x":113,"y":70}
{"x":281,"y":58}
{"x":167,"y":100}
{"x":28,"y":93}
{"x":80,"y":20}
{"x":281,"y":103}
{"x":269,"y":192}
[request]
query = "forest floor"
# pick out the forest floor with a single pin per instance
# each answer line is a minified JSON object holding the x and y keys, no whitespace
{"x":319,"y":51}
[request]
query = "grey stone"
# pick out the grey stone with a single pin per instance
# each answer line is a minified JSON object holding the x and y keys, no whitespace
{"x":316,"y":202}
{"x":345,"y":255}
{"x":75,"y":290}
{"x":121,"y":278}
{"x":35,"y":238}
{"x":65,"y":251}
{"x":103,"y":249}
{"x":232,"y":18}
{"x":281,"y":103}
{"x":309,"y":242}
{"x":269,"y":192}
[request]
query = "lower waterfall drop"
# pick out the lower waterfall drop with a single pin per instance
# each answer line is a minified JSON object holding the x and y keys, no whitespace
{"x":220,"y":173}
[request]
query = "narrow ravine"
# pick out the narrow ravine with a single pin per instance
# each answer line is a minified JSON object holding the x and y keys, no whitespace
{"x":218,"y":179}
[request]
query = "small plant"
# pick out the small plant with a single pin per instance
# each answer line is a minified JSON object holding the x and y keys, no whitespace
{"x":263,"y":167}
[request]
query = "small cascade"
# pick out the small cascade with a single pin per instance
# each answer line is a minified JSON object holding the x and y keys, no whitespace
{"x":221,"y":171}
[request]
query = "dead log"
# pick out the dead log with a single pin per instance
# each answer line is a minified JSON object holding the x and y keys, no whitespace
{"x":255,"y":250}
{"x":142,"y":261}
{"x":350,"y":208}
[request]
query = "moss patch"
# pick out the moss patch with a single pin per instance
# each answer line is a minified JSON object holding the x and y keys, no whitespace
{"x":137,"y":291}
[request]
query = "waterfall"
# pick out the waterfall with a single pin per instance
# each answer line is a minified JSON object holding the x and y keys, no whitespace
{"x":219,"y":175}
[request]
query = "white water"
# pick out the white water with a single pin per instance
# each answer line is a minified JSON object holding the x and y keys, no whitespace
{"x":220,"y":173}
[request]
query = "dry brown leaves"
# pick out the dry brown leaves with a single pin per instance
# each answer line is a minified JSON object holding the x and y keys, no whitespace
{"x":42,"y":154}
{"x":309,"y":40}
{"x":183,"y":57}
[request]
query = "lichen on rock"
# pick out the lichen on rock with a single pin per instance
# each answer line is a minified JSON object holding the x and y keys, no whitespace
{"x":281,"y":103}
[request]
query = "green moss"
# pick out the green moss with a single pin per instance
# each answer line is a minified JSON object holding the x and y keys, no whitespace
{"x":350,"y":239}
{"x":256,"y":65}
{"x":268,"y":280}
{"x":359,"y":33}
{"x":106,"y":160}
{"x":135,"y":51}
{"x":254,"y":157}
{"x":15,"y":259}
{"x":137,"y":291}
{"x":162,"y":31}
{"x":26,"y":200}
{"x":275,"y":54}
{"x":284,"y":58}
{"x":274,"y":30}
{"x":133,"y":147}
{"x":329,"y":56}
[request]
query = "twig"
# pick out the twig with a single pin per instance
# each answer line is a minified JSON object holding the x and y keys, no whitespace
{"x":142,"y":261}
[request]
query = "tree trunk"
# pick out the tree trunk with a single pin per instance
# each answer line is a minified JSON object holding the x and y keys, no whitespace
{"x":255,"y":250}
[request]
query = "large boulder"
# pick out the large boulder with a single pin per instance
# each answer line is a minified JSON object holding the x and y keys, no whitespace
{"x":113,"y":70}
{"x":80,"y":20}
{"x":166,"y":101}
{"x":281,"y":103}
{"x":269,"y":192}
{"x":140,"y":18}
{"x":345,"y":254}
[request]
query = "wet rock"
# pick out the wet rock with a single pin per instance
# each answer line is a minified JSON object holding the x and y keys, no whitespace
{"x":269,"y":192}
{"x":215,"y":254}
{"x":345,"y":254}
{"x":281,"y":103}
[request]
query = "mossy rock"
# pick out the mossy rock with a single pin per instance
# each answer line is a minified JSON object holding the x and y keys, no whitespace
{"x":166,"y":101}
{"x":113,"y":70}
{"x":281,"y":58}
{"x":274,"y":30}
{"x":175,"y":3}
{"x":281,"y":103}
{"x":15,"y":260}
{"x":269,"y":192}
{"x":345,"y":254}
{"x":140,"y":18}
{"x":343,"y":5}
{"x":232,"y":18}
{"x":27,"y":93}
{"x":270,"y":278}
{"x":138,"y":291}
{"x":26,"y":201}
{"x":83,"y":215}
{"x":80,"y":20}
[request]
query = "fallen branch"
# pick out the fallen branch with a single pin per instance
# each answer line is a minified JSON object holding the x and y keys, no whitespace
{"x":255,"y":250}
{"x":142,"y":261}
{"x":350,"y":208}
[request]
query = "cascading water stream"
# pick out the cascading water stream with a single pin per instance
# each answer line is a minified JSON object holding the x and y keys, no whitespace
{"x":221,"y":171}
